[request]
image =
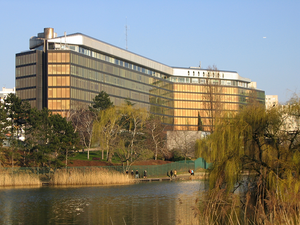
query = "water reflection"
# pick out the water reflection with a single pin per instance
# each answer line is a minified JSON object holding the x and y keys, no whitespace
{"x":145,"y":203}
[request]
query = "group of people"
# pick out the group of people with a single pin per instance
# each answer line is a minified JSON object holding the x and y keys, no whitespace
{"x":136,"y":174}
{"x":172,"y":173}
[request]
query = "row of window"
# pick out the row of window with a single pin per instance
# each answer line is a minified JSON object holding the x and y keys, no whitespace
{"x":110,"y":60}
{"x":205,"y":97}
{"x":214,"y":74}
{"x":58,"y":92}
{"x":192,"y":110}
{"x":59,"y":104}
{"x":26,"y":82}
{"x":59,"y":69}
{"x":208,"y":81}
{"x":109,"y":69}
{"x":27,"y":93}
{"x":87,"y":84}
{"x":58,"y":81}
{"x":205,"y":105}
{"x":58,"y":57}
{"x":187,"y":127}
{"x":198,"y":89}
{"x":25,"y":71}
{"x":26,"y":59}
{"x":86,"y":95}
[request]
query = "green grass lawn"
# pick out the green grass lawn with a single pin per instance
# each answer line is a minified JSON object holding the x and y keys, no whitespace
{"x":97,"y":154}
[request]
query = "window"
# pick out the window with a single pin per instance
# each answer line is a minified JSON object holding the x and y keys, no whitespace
{"x":195,"y":80}
{"x":181,"y":80}
{"x":202,"y":81}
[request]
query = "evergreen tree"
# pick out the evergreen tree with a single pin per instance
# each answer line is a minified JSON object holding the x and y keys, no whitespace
{"x":17,"y":113}
{"x":101,"y":102}
{"x":200,"y":125}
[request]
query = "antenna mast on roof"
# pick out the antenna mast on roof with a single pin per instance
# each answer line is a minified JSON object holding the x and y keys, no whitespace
{"x":65,"y":39}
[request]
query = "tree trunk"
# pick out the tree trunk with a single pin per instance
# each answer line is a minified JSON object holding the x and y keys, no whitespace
{"x":66,"y":158}
{"x":109,"y":157}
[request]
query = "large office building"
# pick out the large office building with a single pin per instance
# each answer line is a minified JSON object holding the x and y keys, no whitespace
{"x":63,"y":72}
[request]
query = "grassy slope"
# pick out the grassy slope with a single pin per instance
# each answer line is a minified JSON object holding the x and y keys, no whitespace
{"x":96,"y":154}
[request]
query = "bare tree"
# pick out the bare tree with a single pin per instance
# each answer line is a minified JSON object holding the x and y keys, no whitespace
{"x":183,"y":141}
{"x":156,"y":136}
{"x":82,"y":120}
{"x":212,"y":99}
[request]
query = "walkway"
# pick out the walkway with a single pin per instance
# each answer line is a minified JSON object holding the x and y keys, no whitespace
{"x":197,"y":176}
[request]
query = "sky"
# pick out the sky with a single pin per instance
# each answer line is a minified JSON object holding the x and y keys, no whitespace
{"x":258,"y":39}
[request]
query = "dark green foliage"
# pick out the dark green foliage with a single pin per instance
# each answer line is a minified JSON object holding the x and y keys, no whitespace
{"x":200,"y":125}
{"x":177,"y":155}
{"x":16,"y":112}
{"x":128,"y":102}
{"x":101,"y":102}
{"x":49,"y":138}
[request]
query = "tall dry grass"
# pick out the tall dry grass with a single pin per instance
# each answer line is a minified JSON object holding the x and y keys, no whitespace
{"x":20,"y":179}
{"x":92,"y":176}
{"x":219,"y":207}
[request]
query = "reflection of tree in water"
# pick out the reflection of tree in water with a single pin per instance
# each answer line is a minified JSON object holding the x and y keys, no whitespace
{"x":146,"y":203}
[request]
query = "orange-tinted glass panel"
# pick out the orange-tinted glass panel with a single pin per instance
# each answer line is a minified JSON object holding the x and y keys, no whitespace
{"x":50,"y":93}
{"x":50,"y":57}
{"x":58,"y":81}
{"x":50,"y":79}
{"x":58,"y":59}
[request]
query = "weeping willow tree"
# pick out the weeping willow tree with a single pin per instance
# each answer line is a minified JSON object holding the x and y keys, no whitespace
{"x":132,"y":122}
{"x":259,"y":143}
{"x":259,"y":150}
{"x":106,"y":130}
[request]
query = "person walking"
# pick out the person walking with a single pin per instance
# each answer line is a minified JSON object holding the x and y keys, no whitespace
{"x":175,"y":173}
{"x":132,"y":174}
{"x":137,"y":174}
{"x":171,"y":173}
{"x":145,"y":174}
{"x":192,"y":172}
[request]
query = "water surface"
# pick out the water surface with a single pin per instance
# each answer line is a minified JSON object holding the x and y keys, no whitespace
{"x":144,"y":203}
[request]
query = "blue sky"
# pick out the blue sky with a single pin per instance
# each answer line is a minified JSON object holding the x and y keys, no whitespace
{"x":228,"y":34}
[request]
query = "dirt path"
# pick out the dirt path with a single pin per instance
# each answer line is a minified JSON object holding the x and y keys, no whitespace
{"x":75,"y":163}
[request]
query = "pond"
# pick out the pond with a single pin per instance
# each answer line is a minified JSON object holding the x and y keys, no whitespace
{"x":143,"y":203}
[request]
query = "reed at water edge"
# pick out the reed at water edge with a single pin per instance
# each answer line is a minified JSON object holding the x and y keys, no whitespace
{"x":218,"y":207}
{"x":92,"y":176}
{"x":19,"y":179}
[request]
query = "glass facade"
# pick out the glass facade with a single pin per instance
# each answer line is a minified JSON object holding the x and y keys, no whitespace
{"x":207,"y":100}
{"x":63,"y":79}
{"x":28,"y":76}
{"x":75,"y":78}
